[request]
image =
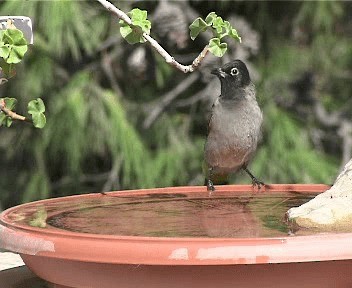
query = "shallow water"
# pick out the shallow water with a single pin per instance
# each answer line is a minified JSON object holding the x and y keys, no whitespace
{"x":230,"y":215}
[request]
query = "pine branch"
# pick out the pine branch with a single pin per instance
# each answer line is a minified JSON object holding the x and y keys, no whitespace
{"x":168,"y":58}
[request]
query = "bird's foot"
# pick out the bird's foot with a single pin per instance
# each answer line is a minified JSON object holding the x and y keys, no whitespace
{"x":210,"y":186}
{"x":257,"y":183}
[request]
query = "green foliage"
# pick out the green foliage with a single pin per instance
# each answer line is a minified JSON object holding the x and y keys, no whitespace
{"x":220,"y":29}
{"x":140,"y":24}
{"x":198,"y":26}
{"x":289,"y":148}
{"x":36,"y":108}
{"x":10,"y":104}
{"x":98,"y":116}
{"x":5,"y":120}
{"x":94,"y":134}
{"x":13,"y":45}
{"x":36,"y":183}
{"x":321,"y":16}
{"x":63,"y":27}
{"x":177,"y":157}
{"x":217,"y":48}
{"x":125,"y":142}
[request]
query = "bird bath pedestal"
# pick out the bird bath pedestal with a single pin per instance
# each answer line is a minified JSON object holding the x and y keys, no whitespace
{"x":177,"y":237}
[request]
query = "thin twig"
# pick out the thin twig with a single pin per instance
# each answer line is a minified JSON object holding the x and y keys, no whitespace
{"x":192,"y":100}
{"x":168,"y":58}
{"x":113,"y":180}
{"x":345,"y":132}
{"x":12,"y":114}
{"x":3,"y":80}
{"x":324,"y":117}
{"x":106,"y":64}
{"x":165,"y":100}
{"x":344,"y":127}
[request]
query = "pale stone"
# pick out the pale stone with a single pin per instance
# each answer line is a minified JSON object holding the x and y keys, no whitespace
{"x":9,"y":260}
{"x":329,"y":211}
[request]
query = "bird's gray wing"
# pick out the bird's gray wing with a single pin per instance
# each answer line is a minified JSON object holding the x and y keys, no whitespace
{"x":210,"y":117}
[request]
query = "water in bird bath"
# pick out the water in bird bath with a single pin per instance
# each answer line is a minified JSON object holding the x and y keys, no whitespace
{"x":221,"y":215}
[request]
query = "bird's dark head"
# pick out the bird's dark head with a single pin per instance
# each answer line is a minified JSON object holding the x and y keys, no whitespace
{"x":233,"y":75}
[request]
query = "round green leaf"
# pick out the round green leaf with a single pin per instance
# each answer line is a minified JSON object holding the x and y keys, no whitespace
{"x":16,"y":54}
{"x":132,"y":36}
{"x":16,"y":36}
{"x":233,"y":34}
{"x":36,"y":106}
{"x":39,"y":120}
{"x":7,"y":38}
{"x":139,"y":19}
{"x":5,"y":51}
{"x":10,"y":103}
{"x":137,"y":14}
{"x":218,"y":24}
{"x":36,"y":109}
{"x":5,"y":120}
{"x":2,"y":118}
{"x":8,"y":121}
{"x":13,"y":46}
{"x":210,"y":18}
{"x":216,"y":48}
{"x":198,"y":25}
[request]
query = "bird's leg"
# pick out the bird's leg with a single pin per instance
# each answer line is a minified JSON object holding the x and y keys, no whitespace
{"x":209,"y":183}
{"x":255,"y":181}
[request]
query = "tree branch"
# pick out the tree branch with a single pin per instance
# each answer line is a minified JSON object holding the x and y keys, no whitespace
{"x":193,"y":99}
{"x":327,"y":119}
{"x":165,"y":100}
{"x":345,"y":132}
{"x":113,"y":179}
{"x":106,"y":64}
{"x":3,"y":80}
{"x":12,"y":114}
{"x":168,"y":58}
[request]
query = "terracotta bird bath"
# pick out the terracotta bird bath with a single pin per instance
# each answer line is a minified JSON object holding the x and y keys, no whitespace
{"x":177,"y":237}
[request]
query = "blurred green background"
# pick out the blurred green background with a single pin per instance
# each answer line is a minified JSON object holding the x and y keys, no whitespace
{"x":120,"y":118}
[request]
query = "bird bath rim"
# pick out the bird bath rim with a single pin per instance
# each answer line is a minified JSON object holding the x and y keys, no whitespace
{"x":299,"y":188}
{"x":148,"y":250}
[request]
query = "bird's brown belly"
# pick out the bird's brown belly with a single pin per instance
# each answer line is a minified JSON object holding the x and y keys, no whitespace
{"x":225,"y":158}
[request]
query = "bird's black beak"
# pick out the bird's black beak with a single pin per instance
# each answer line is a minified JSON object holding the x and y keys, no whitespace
{"x":218,"y":72}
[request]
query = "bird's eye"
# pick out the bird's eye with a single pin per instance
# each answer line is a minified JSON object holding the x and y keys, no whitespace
{"x":234,"y":71}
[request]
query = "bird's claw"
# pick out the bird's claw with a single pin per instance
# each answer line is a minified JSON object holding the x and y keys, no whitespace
{"x":257,"y":183}
{"x":210,"y":186}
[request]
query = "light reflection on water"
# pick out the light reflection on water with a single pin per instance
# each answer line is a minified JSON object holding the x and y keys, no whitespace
{"x":229,"y":215}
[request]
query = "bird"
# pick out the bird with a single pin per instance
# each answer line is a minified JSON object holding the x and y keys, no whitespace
{"x":234,"y":126}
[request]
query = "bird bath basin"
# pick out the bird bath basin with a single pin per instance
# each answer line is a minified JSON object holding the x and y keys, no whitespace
{"x":177,"y":237}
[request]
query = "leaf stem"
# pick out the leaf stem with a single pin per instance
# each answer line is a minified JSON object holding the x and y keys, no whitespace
{"x":168,"y":58}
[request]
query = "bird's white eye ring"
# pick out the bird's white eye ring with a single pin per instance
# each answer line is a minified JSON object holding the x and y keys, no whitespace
{"x":234,"y":71}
